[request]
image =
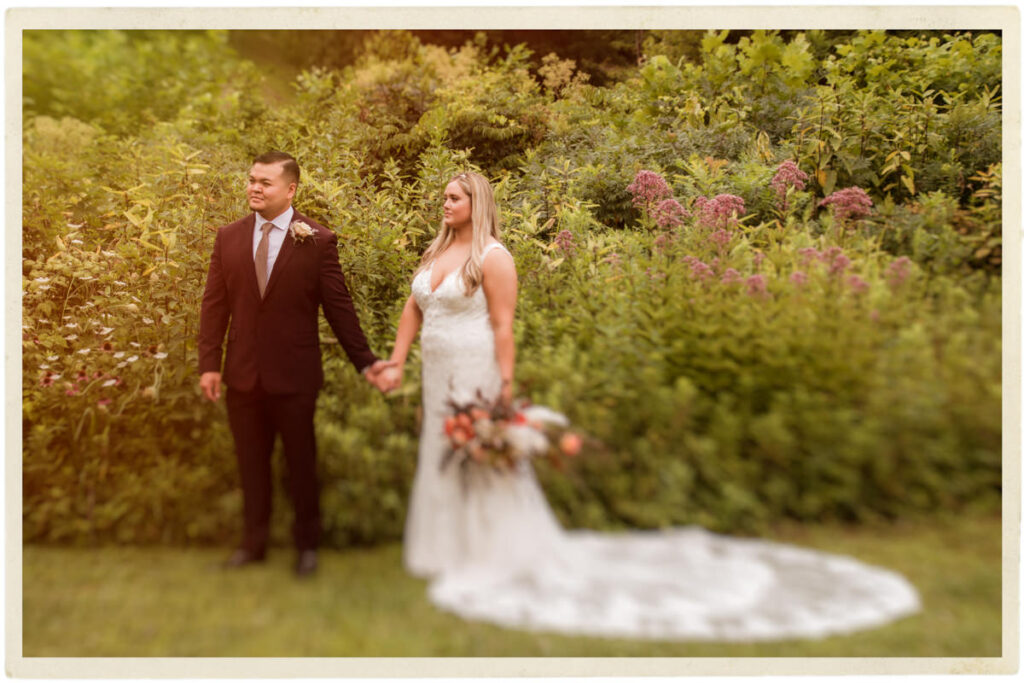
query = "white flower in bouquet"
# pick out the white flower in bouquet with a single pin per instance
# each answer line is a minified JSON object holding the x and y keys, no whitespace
{"x":526,"y":441}
{"x":543,"y":415}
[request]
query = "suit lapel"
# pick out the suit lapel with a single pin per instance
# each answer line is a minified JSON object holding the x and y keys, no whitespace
{"x":247,"y":255}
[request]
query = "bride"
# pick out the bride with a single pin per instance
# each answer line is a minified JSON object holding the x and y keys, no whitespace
{"x":495,"y":552}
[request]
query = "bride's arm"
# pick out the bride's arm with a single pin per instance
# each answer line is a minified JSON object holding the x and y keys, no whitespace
{"x":500,"y":287}
{"x":408,"y":327}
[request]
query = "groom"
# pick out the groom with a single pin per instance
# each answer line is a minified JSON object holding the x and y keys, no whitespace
{"x":269,"y":275}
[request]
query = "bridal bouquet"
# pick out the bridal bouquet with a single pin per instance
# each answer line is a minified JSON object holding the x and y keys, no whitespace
{"x":499,"y":437}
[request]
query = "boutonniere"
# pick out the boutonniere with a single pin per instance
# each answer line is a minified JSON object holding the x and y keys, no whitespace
{"x":300,"y":231}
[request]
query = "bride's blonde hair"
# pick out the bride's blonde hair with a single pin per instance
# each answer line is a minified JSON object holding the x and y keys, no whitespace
{"x":484,"y":216}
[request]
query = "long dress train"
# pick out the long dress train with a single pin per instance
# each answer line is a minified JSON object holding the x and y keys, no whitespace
{"x":495,"y":552}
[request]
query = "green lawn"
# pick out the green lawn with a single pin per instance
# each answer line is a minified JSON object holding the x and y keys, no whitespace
{"x":134,"y":602}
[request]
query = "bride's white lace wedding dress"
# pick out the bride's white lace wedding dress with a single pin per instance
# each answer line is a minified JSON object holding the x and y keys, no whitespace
{"x":495,"y":552}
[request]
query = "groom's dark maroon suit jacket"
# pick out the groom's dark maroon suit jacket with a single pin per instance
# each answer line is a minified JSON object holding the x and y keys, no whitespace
{"x":275,"y":339}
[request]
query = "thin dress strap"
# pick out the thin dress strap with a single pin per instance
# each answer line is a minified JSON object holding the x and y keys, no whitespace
{"x":491,"y":246}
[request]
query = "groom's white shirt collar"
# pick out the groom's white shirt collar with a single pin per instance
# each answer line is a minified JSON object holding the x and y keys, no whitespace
{"x":276,"y":235}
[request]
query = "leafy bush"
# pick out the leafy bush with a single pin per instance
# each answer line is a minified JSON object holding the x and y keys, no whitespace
{"x":769,"y":357}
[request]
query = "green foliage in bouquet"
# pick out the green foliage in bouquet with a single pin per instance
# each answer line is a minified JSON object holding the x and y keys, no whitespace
{"x":796,"y":315}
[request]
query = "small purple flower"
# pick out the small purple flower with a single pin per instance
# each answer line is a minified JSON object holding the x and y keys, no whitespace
{"x":756,"y":285}
{"x":564,"y":242}
{"x":898,"y":271}
{"x":669,"y":213}
{"x":848,"y":204}
{"x":731,"y":276}
{"x":798,"y":278}
{"x":647,"y":189}
{"x":857,"y":284}
{"x":720,"y":212}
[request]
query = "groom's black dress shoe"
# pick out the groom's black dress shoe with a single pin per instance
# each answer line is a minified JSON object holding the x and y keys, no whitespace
{"x":242,"y":558}
{"x":305,"y":563}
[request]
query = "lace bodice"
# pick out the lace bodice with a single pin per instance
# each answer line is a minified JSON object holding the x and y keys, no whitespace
{"x":456,"y":339}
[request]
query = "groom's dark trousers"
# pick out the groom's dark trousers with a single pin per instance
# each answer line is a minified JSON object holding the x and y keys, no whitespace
{"x":272,"y":363}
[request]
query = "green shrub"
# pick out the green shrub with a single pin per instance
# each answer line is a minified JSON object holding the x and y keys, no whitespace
{"x":790,"y":365}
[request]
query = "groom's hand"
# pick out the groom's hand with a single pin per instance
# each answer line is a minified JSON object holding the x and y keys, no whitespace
{"x":209,"y":382}
{"x":375,"y":374}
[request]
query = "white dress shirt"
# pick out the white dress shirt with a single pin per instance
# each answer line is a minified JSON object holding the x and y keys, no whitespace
{"x":276,"y":236}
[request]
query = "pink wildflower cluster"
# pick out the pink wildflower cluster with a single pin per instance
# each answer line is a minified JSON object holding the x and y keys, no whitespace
{"x":787,"y":175}
{"x":857,"y":284}
{"x":848,"y":204}
{"x":647,"y":189}
{"x":808,"y":255}
{"x":833,"y":256}
{"x":839,"y":264}
{"x":898,"y":271}
{"x":662,"y":241}
{"x":669,"y":213}
{"x":698,"y":269}
{"x":798,"y":278}
{"x":564,"y":242}
{"x":731,"y":276}
{"x":721,"y":238}
{"x":757,"y":285}
{"x":721,"y":211}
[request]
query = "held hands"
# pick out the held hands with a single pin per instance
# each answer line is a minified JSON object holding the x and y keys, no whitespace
{"x":386,"y":375}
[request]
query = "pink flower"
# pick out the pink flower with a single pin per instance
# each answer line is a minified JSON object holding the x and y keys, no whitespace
{"x":72,"y":391}
{"x":756,"y":285}
{"x":898,"y":271}
{"x":758,"y":257}
{"x":848,"y":204}
{"x":613,"y":259}
{"x":808,"y":254}
{"x":564,"y":242}
{"x":104,"y":402}
{"x":721,"y":238}
{"x":720,"y":212}
{"x":874,"y":315}
{"x":663,"y":240}
{"x":857,"y":284}
{"x":787,"y":175}
{"x":798,"y":278}
{"x":731,"y":276}
{"x":831,"y":253}
{"x":839,"y":264}
{"x":698,"y":269}
{"x":647,"y":189}
{"x":669,"y":213}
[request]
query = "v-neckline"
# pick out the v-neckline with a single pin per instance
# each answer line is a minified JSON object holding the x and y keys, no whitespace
{"x":430,"y":278}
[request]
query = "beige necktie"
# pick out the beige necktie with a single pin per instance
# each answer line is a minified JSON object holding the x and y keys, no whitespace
{"x":261,"y":257}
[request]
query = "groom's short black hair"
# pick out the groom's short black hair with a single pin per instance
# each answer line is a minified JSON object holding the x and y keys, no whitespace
{"x":291,"y":167}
